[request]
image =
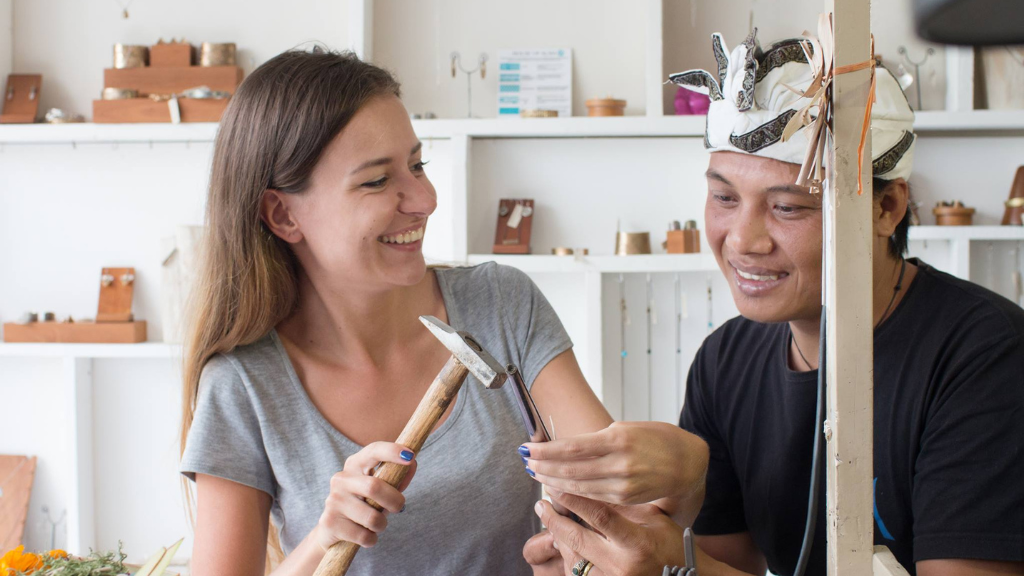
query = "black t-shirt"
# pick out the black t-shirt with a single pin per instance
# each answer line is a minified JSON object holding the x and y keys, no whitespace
{"x":948,"y":430}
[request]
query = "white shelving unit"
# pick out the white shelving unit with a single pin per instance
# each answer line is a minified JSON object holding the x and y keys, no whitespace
{"x":90,"y":351}
{"x":965,"y":123}
{"x":591,"y":272}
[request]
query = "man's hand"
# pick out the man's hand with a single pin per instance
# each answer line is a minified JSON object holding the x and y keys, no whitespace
{"x":626,"y":463}
{"x":624,"y":540}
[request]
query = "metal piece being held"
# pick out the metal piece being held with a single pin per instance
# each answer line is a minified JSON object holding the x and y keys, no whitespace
{"x":532,"y":419}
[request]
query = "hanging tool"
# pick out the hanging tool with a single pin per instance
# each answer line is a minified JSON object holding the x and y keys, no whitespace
{"x":624,"y":321}
{"x":711,"y":321}
{"x":651,"y":320}
{"x":679,"y":342}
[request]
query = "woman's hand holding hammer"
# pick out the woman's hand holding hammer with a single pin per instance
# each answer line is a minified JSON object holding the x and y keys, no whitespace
{"x":347,"y":515}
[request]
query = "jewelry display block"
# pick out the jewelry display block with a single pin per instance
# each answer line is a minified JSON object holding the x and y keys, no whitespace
{"x":21,"y":99}
{"x":515,"y":222}
{"x":114,"y":321}
{"x":172,"y":80}
{"x":145,"y":110}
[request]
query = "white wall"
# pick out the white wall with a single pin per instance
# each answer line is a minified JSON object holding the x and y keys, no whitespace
{"x":584,"y":187}
{"x":415,"y":39}
{"x":6,"y":40}
{"x":70,"y":42}
{"x":688,"y":25}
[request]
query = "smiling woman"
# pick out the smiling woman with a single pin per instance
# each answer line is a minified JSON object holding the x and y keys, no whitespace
{"x":306,"y":356}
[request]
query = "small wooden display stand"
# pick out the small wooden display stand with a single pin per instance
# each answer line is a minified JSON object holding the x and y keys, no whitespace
{"x":171,"y":71}
{"x":114,"y":323}
{"x":1015,"y":204}
{"x":515,"y":222}
{"x":21,"y":99}
{"x":16,"y":475}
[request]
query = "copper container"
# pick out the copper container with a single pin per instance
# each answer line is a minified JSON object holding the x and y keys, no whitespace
{"x":130,"y":56}
{"x":629,"y":243}
{"x":953,"y":215}
{"x":538,"y":113}
{"x":217,"y":54}
{"x":605,"y":107}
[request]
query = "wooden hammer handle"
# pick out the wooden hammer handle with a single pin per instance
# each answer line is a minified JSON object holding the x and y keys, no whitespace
{"x":433,"y":405}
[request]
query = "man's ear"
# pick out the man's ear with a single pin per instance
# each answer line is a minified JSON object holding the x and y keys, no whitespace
{"x":277,"y":215}
{"x":891,"y":207}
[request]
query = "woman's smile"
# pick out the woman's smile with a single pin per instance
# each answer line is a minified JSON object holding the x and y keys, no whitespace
{"x":408,"y":240}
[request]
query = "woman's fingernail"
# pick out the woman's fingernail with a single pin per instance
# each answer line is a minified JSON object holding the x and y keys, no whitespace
{"x":530,"y":472}
{"x":538,"y":508}
{"x":524,"y":451}
{"x":406,"y":455}
{"x":523,"y":458}
{"x":402,"y":510}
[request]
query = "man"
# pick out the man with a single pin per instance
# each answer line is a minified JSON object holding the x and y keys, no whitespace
{"x":948,"y":367}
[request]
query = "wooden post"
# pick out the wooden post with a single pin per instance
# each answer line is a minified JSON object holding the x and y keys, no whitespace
{"x":848,"y":298}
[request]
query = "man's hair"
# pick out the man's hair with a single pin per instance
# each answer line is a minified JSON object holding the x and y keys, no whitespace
{"x":900,"y":237}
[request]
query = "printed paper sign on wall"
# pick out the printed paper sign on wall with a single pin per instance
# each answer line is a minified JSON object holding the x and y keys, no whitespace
{"x":535,"y":80}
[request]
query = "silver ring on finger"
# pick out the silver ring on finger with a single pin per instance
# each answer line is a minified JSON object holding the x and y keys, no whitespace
{"x":582,"y":568}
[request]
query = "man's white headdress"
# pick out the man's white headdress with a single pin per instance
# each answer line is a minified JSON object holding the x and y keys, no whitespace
{"x":754,"y":96}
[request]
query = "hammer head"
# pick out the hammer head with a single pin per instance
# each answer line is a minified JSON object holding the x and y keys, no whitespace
{"x":480,"y":363}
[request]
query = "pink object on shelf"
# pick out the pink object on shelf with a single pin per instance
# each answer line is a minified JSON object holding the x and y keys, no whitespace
{"x":689,"y":102}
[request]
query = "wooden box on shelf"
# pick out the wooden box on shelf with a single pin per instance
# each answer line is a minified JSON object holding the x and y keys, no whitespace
{"x":145,"y":110}
{"x":171,"y":55}
{"x":173,"y":80}
{"x":162,"y":82}
{"x":77,"y":332}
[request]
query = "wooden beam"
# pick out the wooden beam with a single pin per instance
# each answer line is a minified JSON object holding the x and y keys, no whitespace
{"x":885,"y":564}
{"x":848,"y":300}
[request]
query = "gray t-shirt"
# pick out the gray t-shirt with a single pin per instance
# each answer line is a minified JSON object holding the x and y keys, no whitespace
{"x":469,"y":510}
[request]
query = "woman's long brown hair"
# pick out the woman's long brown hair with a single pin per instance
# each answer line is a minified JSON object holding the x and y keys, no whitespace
{"x":272,"y":135}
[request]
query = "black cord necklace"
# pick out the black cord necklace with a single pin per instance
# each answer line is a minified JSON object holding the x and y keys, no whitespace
{"x":800,"y":352}
{"x":895,"y":291}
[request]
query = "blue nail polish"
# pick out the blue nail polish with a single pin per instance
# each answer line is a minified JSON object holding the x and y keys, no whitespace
{"x":531,"y":473}
{"x":524,"y":451}
{"x":402,"y":510}
{"x":406,"y":455}
{"x":524,"y":460}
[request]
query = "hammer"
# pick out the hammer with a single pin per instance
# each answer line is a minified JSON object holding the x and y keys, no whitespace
{"x":468,"y":357}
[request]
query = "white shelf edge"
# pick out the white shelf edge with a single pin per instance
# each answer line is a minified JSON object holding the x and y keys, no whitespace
{"x":981,"y":233}
{"x":967,"y":122}
{"x":573,"y":127}
{"x":653,"y":263}
{"x":983,"y":121}
{"x":87,"y":133}
{"x":60,"y":350}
